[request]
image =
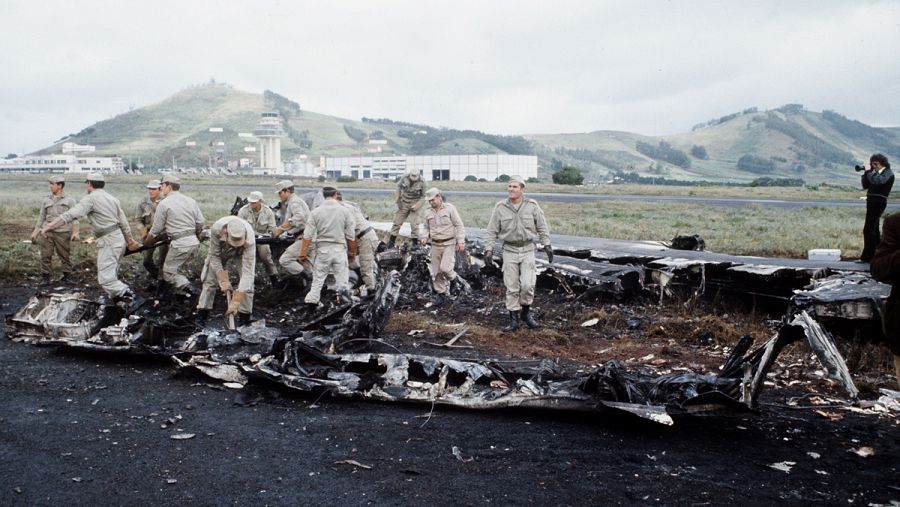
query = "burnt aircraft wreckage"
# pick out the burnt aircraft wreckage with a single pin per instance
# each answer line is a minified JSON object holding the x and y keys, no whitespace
{"x":333,"y":350}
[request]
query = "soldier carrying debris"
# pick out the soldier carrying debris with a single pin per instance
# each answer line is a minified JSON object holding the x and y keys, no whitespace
{"x":57,"y":240}
{"x":230,"y":239}
{"x":262,"y":218}
{"x":367,"y":243}
{"x":331,"y":230}
{"x":517,"y":221}
{"x":295,"y":218}
{"x":146,"y":210}
{"x":444,"y":228}
{"x":111,"y":230}
{"x":178,"y":216}
{"x":409,"y":194}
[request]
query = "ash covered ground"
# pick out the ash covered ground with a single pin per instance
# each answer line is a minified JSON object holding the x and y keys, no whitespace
{"x":86,"y":427}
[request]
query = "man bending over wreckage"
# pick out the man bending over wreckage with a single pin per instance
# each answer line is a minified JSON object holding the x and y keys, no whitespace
{"x":885,"y":268}
{"x":366,"y":243}
{"x":230,"y":239}
{"x":111,"y":230}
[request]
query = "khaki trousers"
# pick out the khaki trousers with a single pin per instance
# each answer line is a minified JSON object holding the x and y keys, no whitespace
{"x":443,"y":260}
{"x":366,"y":247}
{"x":330,"y":258}
{"x":519,"y":276}
{"x":264,"y":254}
{"x":59,"y":243}
{"x":175,"y":259}
{"x":211,"y":286}
{"x":403,"y":212}
{"x":290,"y":259}
{"x":111,"y":248}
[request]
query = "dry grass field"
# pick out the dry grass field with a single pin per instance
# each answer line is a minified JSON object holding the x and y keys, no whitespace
{"x":749,"y":230}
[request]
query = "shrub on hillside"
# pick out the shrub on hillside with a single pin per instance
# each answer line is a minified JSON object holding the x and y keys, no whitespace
{"x":568,"y":176}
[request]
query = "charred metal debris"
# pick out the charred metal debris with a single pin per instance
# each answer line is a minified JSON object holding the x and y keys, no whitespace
{"x":333,"y":350}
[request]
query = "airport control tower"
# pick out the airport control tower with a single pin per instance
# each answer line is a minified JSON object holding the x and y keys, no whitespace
{"x":269,"y":132}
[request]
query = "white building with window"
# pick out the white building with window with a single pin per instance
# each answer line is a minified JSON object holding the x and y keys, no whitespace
{"x":432,"y":167}
{"x":68,"y":163}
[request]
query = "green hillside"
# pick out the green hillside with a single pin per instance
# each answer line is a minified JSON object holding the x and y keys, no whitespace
{"x":788,"y":142}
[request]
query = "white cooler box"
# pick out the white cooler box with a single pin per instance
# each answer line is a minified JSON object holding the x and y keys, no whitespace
{"x":824,"y":254}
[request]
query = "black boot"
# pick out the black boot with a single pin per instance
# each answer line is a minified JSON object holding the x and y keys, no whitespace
{"x":65,"y":278}
{"x":276,"y":283}
{"x":45,"y":279}
{"x":201,"y":317}
{"x":513,"y":322}
{"x":528,"y":317}
{"x":243,"y":319}
{"x":391,"y":241}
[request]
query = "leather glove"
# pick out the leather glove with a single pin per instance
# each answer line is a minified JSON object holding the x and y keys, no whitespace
{"x":277,"y":232}
{"x":34,"y":234}
{"x":489,"y":258}
{"x":75,"y":237}
{"x":132,"y":244}
{"x":304,"y":248}
{"x":224,"y":282}
{"x":549,"y":251}
{"x":235,"y":303}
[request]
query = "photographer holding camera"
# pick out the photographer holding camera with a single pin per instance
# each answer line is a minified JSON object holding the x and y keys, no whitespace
{"x":878,"y":179}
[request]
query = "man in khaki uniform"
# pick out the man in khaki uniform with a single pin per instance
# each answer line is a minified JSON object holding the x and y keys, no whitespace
{"x":444,"y":228}
{"x":330,"y":229}
{"x":180,"y":218}
{"x":409,"y":194}
{"x":366,"y":242}
{"x":516,"y":222}
{"x":231,"y":240}
{"x":146,"y":210}
{"x":295,"y":217}
{"x":262,"y":218}
{"x":57,"y":240}
{"x":111,"y":230}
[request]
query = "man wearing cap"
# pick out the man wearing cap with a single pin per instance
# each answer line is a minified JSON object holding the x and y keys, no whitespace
{"x":295,"y":218}
{"x":180,"y":218}
{"x":409,"y":194}
{"x":146,"y":210}
{"x":330,"y":228}
{"x":517,"y":222}
{"x":444,"y":228}
{"x":262,"y":218}
{"x":57,"y":240}
{"x":111,"y":230}
{"x":366,"y":242}
{"x":231,"y":239}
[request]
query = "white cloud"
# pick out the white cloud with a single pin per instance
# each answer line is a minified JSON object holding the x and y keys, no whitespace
{"x":652,"y":67}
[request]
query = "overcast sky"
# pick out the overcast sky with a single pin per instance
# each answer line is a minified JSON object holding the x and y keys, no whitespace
{"x":508,"y":67}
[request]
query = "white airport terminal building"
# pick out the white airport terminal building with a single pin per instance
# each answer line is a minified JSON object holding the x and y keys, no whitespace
{"x":432,"y":167}
{"x":75,"y":158}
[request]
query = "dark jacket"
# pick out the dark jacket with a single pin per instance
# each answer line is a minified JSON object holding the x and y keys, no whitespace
{"x":878,"y":185}
{"x":885,"y":267}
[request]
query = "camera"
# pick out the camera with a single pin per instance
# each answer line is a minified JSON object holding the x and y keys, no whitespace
{"x":859,"y":168}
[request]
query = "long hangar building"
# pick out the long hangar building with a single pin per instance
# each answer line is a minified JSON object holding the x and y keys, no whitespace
{"x":432,"y":167}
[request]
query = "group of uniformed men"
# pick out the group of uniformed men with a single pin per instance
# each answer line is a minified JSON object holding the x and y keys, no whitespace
{"x":332,"y":234}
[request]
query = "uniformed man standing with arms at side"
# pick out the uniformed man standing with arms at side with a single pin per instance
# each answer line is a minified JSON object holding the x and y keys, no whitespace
{"x":262,"y":218}
{"x":111,"y":230}
{"x":180,"y":218}
{"x":330,"y":229}
{"x":409,"y":194}
{"x":444,"y":228}
{"x":146,"y":210}
{"x":366,"y":243}
{"x":517,"y":222}
{"x":57,"y":240}
{"x":295,"y":217}
{"x":231,"y":239}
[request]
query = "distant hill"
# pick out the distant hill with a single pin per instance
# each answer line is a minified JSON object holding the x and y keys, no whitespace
{"x":788,"y":142}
